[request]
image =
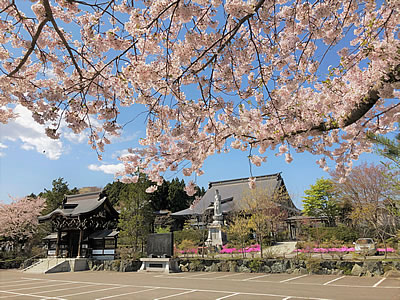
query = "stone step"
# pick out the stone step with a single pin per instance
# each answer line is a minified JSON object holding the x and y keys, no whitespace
{"x":44,"y":265}
{"x":53,"y":265}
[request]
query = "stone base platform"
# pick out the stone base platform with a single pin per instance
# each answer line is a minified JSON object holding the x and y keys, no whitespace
{"x":165,"y":265}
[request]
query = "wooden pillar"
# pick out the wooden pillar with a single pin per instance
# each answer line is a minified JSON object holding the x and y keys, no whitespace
{"x":58,"y":242}
{"x":80,"y":242}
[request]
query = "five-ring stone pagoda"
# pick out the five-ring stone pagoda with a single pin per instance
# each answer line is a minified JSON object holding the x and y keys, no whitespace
{"x":84,"y":226}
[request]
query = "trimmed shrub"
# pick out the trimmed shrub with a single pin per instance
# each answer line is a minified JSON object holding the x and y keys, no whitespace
{"x":187,"y":247}
{"x":255,"y":265}
{"x":339,"y":233}
{"x":197,"y":236}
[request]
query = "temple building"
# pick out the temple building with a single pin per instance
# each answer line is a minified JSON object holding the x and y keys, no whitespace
{"x":234,"y":194}
{"x":84,"y":226}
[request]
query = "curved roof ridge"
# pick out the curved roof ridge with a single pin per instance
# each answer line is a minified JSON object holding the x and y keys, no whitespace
{"x":75,"y":211}
{"x":83,"y":196}
{"x":239,"y":180}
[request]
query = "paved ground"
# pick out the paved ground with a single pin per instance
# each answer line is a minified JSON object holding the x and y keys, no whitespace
{"x":113,"y":285}
{"x":281,"y":248}
{"x":287,"y":250}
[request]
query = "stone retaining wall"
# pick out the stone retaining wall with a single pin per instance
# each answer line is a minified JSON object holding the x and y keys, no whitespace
{"x":292,"y":266}
{"x":289,"y":266}
{"x":114,"y":265}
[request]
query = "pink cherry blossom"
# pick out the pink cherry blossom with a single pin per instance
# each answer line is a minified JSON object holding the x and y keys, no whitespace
{"x":190,"y":188}
{"x":151,"y":189}
{"x":252,"y":183}
{"x":288,"y":158}
{"x":18,"y":219}
{"x":210,"y":74}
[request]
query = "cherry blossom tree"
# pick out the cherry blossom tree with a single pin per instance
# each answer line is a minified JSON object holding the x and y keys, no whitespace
{"x":291,"y":76}
{"x":18,"y":219}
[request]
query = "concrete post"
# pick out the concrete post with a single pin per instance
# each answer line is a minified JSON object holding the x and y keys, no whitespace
{"x":58,"y":242}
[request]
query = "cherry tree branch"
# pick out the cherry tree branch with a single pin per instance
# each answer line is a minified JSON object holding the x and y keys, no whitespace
{"x":356,"y":114}
{"x":49,"y":14}
{"x":31,"y":48}
{"x":231,"y":35}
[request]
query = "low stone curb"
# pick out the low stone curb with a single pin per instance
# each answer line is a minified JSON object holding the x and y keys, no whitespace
{"x":293,"y":266}
{"x":275,"y":266}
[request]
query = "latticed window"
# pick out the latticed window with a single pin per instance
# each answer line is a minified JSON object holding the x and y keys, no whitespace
{"x":109,"y":244}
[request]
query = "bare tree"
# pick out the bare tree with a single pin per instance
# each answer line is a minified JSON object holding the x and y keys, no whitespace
{"x":373,"y":197}
{"x":266,"y":212}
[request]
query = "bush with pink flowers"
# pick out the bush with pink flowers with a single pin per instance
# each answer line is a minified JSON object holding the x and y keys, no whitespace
{"x":250,"y":249}
{"x":342,"y":250}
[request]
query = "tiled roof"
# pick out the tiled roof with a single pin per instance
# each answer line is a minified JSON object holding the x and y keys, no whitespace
{"x":76,"y":205}
{"x":233,"y":193}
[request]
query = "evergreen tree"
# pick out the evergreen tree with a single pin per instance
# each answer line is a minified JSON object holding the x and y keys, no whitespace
{"x":177,"y":197}
{"x":112,"y":191}
{"x":159,"y":198}
{"x":389,"y":148}
{"x":55,"y":196}
{"x":136,"y":214}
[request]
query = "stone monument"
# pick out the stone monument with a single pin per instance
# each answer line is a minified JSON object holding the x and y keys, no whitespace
{"x":216,"y":237}
{"x":160,"y":249}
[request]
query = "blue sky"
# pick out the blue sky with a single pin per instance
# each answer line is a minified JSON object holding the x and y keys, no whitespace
{"x":29,"y":160}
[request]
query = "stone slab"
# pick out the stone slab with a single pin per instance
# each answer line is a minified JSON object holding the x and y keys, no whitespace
{"x":159,"y":264}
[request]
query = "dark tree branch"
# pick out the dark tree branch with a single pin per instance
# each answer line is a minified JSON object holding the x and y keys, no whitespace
{"x":49,"y":14}
{"x":31,"y":48}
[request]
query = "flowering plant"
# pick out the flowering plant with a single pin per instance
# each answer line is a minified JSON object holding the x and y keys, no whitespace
{"x":342,"y":249}
{"x":211,"y":74}
{"x":249,"y":249}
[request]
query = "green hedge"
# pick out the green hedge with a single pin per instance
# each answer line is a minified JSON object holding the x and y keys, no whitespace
{"x":12,"y":263}
{"x":326,"y":234}
{"x":198,"y":236}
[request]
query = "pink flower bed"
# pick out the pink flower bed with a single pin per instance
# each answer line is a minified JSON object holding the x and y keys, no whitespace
{"x":342,"y":249}
{"x":187,"y":251}
{"x":325,"y":250}
{"x":249,"y":249}
{"x":385,"y":250}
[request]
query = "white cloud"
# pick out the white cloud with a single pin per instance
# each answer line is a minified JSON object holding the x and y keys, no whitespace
{"x":27,"y":147}
{"x":83,"y":136}
{"x":49,"y":73}
{"x":75,"y":138}
{"x":2,"y":146}
{"x":107,"y":169}
{"x":31,"y":134}
{"x":123,"y":136}
{"x":120,"y":153}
